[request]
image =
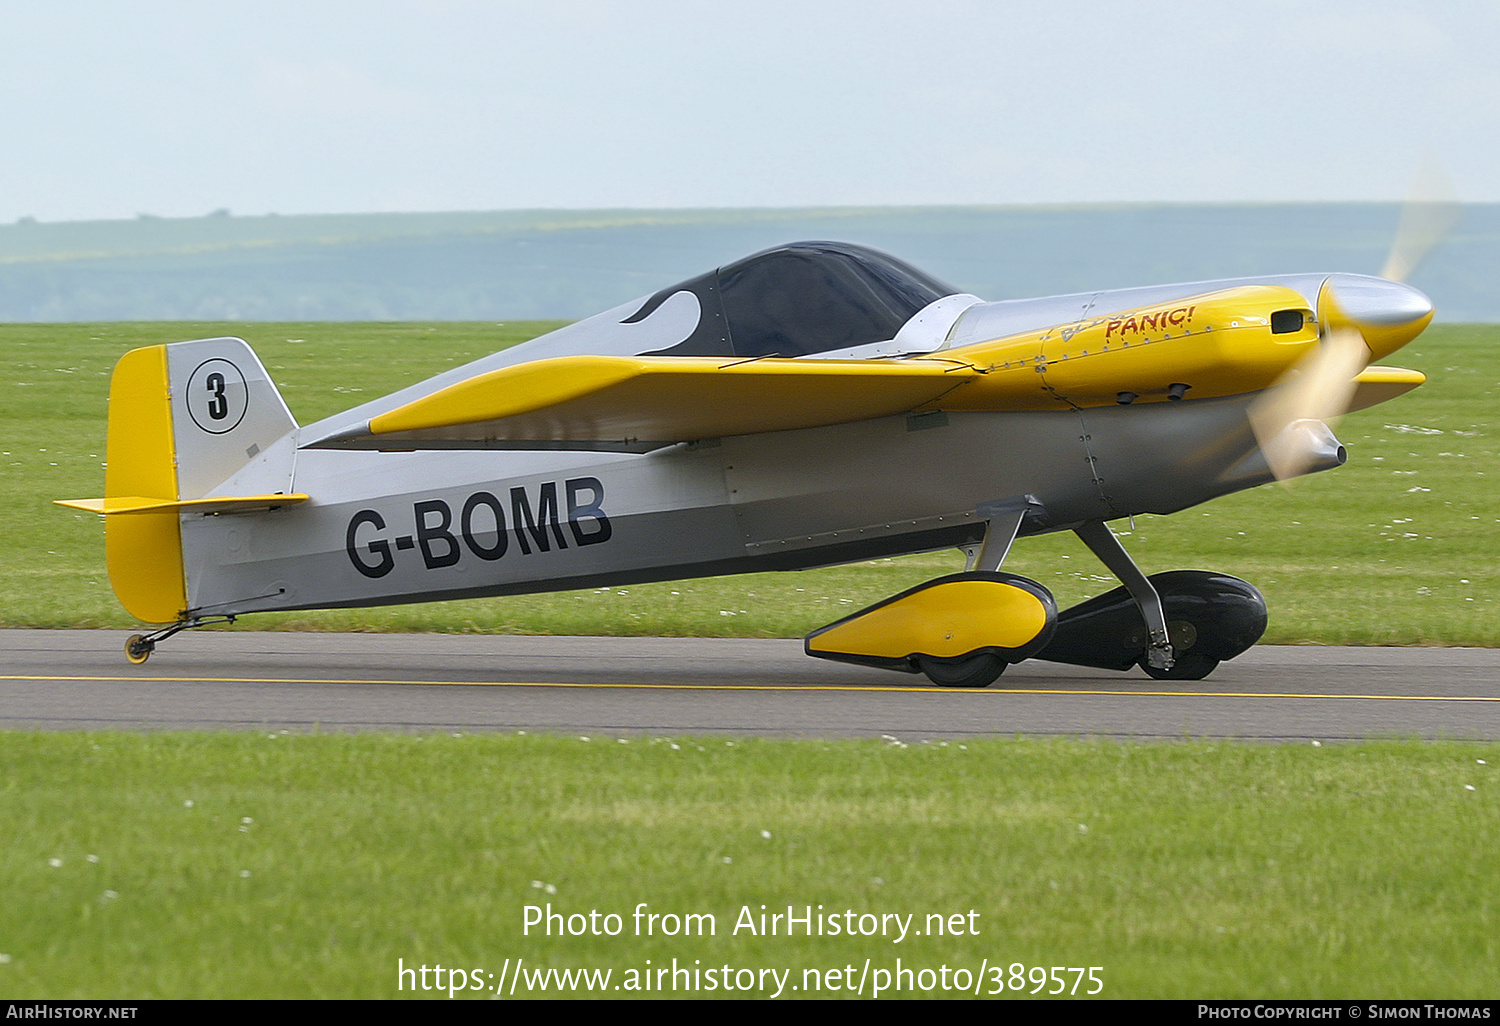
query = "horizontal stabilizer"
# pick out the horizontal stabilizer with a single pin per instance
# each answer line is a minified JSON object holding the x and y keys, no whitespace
{"x":218,"y":504}
{"x":641,"y":403}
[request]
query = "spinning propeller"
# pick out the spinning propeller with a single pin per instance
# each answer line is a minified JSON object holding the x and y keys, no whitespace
{"x":1360,"y":319}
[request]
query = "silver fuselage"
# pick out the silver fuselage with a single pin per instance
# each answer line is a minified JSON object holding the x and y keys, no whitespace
{"x":407,"y":527}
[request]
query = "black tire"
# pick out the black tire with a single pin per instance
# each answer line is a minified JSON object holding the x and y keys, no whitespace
{"x":1189,"y":666}
{"x":975,"y":671}
{"x":138,"y":648}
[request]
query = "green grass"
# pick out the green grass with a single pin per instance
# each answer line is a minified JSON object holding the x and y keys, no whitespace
{"x":255,"y":865}
{"x":1397,"y":548}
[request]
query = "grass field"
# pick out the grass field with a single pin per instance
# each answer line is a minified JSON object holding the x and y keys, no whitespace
{"x":1399,"y":547}
{"x":255,"y":865}
{"x":271,"y":865}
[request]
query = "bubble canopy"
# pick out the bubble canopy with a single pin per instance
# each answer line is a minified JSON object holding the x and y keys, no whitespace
{"x":800,"y":299}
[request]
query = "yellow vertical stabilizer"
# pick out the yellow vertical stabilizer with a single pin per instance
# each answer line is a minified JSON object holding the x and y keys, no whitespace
{"x":144,"y":550}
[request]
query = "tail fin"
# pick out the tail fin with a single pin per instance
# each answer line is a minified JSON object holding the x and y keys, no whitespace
{"x":228,"y":419}
{"x":186,"y":422}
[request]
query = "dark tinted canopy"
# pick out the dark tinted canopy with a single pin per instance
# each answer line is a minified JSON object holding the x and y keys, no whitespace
{"x":806,"y":297}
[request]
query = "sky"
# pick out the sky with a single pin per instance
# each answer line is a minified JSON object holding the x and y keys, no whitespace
{"x":177,"y":108}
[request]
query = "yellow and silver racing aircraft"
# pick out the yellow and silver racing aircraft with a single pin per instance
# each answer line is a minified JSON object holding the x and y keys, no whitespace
{"x":813,"y":404}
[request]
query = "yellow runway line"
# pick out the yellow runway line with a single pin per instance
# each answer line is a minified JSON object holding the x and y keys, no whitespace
{"x":923,"y":689}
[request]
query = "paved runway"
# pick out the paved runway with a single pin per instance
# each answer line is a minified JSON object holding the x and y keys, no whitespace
{"x":74,"y":680}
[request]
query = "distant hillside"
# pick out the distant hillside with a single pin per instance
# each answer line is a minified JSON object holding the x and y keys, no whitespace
{"x":513,"y":265}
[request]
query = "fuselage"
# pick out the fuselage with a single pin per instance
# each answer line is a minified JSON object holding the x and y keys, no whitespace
{"x":406,"y":527}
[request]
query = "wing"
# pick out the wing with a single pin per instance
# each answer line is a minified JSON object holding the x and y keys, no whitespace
{"x":635,"y":404}
{"x":1227,"y":342}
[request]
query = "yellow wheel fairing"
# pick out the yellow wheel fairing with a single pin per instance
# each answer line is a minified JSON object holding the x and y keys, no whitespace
{"x":949,"y":618}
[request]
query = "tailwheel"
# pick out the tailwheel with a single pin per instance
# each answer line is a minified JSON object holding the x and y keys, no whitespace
{"x":975,"y":671}
{"x":138,"y":648}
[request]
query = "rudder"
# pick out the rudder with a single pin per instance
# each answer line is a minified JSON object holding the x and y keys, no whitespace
{"x":144,"y":551}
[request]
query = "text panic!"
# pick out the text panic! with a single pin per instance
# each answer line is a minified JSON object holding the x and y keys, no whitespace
{"x":482,"y":527}
{"x":1153,"y":321}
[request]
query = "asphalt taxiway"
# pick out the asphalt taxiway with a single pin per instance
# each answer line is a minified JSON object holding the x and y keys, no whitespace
{"x":80,"y":680}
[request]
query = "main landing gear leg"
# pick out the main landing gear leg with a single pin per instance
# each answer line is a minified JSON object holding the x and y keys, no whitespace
{"x":1103,"y":543}
{"x":999,"y":534}
{"x":138,"y":647}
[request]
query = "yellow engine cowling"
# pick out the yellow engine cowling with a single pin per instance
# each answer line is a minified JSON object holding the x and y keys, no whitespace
{"x":1221,"y":343}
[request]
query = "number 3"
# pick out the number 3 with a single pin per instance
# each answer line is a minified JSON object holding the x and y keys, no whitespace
{"x":218,"y":406}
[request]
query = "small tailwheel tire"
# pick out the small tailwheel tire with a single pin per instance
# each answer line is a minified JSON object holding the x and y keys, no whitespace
{"x":138,"y":648}
{"x":975,"y":671}
{"x":1189,"y":666}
